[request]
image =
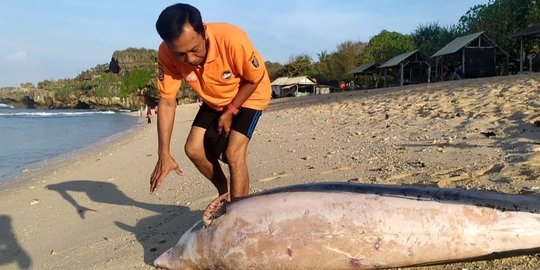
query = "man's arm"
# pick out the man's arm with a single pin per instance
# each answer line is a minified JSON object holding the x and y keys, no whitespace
{"x":165,"y":163}
{"x":165,"y":123}
{"x":244,"y":92}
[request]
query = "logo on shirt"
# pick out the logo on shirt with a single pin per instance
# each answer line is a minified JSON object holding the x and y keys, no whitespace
{"x":191,"y":77}
{"x":255,"y":62}
{"x":226,"y":75}
{"x":161,"y":74}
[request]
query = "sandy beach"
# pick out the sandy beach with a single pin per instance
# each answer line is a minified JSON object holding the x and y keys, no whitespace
{"x":93,"y":210}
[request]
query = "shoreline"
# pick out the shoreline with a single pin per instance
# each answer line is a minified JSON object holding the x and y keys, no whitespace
{"x":37,"y":169}
{"x":46,"y":167}
{"x":94,"y":210}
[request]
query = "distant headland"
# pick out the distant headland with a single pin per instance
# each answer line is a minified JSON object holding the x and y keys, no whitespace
{"x":127,"y":82}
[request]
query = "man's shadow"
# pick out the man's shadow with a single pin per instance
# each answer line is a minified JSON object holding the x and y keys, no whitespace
{"x":10,"y":250}
{"x":155,"y":233}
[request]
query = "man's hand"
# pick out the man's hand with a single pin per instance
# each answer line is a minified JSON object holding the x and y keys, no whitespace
{"x":225,"y":122}
{"x":164,"y":165}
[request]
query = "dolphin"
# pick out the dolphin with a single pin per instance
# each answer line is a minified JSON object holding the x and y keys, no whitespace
{"x":359,"y":226}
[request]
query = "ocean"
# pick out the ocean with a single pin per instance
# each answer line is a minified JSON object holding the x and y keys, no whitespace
{"x":30,"y":137}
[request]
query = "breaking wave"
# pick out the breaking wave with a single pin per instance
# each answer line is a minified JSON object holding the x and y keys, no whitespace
{"x":53,"y":114}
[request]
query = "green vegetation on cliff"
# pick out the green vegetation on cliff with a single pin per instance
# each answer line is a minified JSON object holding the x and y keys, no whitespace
{"x":136,"y":79}
{"x":127,"y":82}
{"x":131,"y":71}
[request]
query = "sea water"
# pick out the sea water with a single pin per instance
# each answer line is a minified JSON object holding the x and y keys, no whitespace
{"x":30,"y":137}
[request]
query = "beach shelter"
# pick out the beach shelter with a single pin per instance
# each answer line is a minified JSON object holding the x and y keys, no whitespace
{"x":476,"y":54}
{"x":530,"y":32}
{"x":414,"y":67}
{"x":363,"y":75}
{"x":292,"y":86}
{"x":364,"y":68}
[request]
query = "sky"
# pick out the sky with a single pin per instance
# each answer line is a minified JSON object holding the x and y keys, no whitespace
{"x":58,"y":39}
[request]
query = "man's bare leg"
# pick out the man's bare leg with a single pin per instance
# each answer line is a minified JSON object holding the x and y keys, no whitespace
{"x":207,"y":165}
{"x":211,"y":169}
{"x":239,"y":187}
{"x":236,"y":157}
{"x":239,"y":184}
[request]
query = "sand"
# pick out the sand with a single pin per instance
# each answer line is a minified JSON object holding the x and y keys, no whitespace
{"x":93,"y":209}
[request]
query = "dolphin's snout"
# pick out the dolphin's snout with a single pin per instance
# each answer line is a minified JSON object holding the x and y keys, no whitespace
{"x":164,"y":260}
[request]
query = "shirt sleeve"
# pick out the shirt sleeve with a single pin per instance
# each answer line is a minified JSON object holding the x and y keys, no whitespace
{"x":169,"y":78}
{"x":248,"y":62}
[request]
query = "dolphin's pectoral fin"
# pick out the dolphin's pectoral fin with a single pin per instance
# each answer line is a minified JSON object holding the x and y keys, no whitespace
{"x":215,"y":209}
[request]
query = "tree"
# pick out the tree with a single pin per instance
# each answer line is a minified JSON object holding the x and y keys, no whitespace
{"x":500,"y":18}
{"x":336,"y":66}
{"x":429,"y":38}
{"x":386,"y":45}
{"x":297,"y":66}
{"x":324,"y":69}
{"x":272,"y":69}
{"x":347,"y":57}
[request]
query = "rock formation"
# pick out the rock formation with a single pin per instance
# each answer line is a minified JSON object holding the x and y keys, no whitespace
{"x":131,"y":58}
{"x":78,"y":93}
{"x":35,"y":98}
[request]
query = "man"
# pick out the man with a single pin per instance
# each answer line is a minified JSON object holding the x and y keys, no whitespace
{"x":219,"y":62}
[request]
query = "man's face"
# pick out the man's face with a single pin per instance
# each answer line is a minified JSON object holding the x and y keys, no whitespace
{"x":190,"y":47}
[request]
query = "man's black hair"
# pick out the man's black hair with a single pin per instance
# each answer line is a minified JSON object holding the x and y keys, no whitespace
{"x":171,"y":21}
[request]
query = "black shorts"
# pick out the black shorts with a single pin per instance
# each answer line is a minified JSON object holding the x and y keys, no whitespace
{"x":244,"y":122}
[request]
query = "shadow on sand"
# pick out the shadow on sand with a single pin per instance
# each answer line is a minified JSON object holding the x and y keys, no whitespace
{"x":155,"y":233}
{"x":10,"y":250}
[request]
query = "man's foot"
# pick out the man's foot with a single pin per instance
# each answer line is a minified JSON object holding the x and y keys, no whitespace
{"x":215,"y":209}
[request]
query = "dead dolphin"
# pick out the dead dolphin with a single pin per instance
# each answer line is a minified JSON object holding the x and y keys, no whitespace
{"x":358,"y":226}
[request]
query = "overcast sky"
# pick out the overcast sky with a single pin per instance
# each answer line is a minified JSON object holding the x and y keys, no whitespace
{"x":55,"y":39}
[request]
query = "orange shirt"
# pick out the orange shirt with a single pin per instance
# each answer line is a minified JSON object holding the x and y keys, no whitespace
{"x":230,"y":61}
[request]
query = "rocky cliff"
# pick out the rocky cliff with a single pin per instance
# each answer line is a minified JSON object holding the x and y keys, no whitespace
{"x":131,"y":58}
{"x":35,"y":98}
{"x":127,"y":82}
